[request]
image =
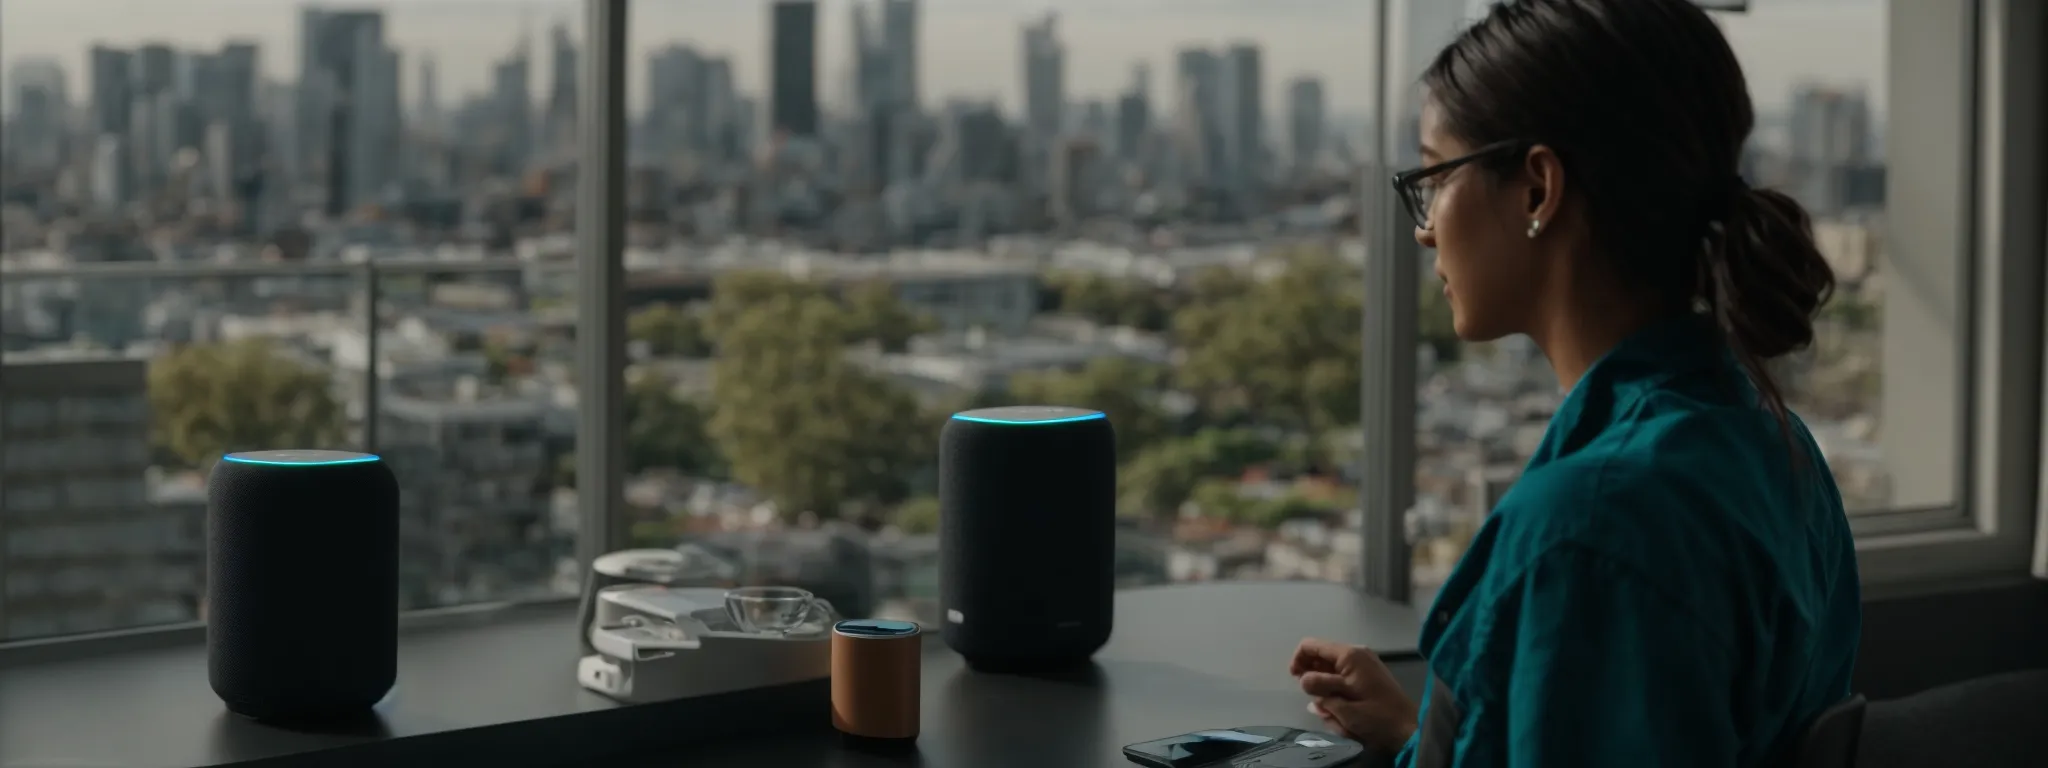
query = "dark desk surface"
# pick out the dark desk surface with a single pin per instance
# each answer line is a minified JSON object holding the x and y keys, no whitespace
{"x":1182,"y":659}
{"x":503,"y":693}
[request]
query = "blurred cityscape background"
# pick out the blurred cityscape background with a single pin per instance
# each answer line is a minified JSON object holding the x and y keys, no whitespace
{"x":203,"y":253}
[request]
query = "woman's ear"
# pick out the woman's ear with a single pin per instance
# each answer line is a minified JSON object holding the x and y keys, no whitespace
{"x":1543,"y":173}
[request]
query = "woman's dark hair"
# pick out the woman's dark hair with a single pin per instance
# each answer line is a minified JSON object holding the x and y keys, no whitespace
{"x":1646,"y":106}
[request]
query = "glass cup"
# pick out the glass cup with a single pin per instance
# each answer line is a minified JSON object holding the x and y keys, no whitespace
{"x":770,"y":610}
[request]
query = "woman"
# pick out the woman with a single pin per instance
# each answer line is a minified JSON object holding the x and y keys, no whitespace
{"x":1672,"y":581}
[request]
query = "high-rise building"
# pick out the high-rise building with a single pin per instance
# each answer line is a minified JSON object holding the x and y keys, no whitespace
{"x":899,"y":37}
{"x":512,"y":108}
{"x":1132,"y":126}
{"x":471,"y":526}
{"x":1076,"y":176}
{"x":1832,"y":150}
{"x":156,"y":68}
{"x":113,"y":89}
{"x":1045,"y":74}
{"x":40,"y":105}
{"x":430,"y":94}
{"x":1244,"y":112}
{"x":793,"y":68}
{"x":1198,"y":118}
{"x":1308,"y":120}
{"x":348,"y":132}
{"x":562,"y":91}
{"x":85,"y":549}
{"x":1830,"y":126}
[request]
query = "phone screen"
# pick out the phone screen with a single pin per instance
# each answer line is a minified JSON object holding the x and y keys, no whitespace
{"x":1201,"y":747}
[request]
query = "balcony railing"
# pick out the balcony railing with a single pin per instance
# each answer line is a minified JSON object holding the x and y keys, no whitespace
{"x":371,"y":274}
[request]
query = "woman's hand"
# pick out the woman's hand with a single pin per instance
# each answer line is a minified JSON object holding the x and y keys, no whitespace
{"x":1352,"y":691}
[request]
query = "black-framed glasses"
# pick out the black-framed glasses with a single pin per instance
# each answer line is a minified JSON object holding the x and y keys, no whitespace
{"x":1417,"y":190}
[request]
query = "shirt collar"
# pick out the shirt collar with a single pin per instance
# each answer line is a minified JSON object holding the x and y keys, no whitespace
{"x":1650,"y":356}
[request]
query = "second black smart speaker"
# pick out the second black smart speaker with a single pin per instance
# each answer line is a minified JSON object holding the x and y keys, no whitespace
{"x":301,"y":584}
{"x":1027,"y":531}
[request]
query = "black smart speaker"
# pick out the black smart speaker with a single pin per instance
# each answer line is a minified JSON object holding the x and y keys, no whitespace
{"x":301,"y":584}
{"x":1027,"y":531}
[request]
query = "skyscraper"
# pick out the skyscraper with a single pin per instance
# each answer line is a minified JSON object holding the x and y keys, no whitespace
{"x":1198,"y":115}
{"x":112,"y":89}
{"x":1307,"y":120}
{"x":348,"y":130}
{"x":1134,"y":114}
{"x":1244,"y":113}
{"x":512,"y":101}
{"x":899,"y":37}
{"x":1044,"y":80}
{"x":793,"y":68}
{"x":562,"y":91}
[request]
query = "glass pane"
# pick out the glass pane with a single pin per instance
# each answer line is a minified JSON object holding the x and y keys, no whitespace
{"x":120,"y":395}
{"x":273,"y":136}
{"x":1817,"y":76}
{"x":1147,"y":213}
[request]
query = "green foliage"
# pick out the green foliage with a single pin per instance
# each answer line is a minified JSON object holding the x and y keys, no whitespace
{"x":874,"y":314}
{"x":1160,"y":479}
{"x":739,"y":292}
{"x":918,"y":515}
{"x":669,"y":330}
{"x":1283,"y":350}
{"x":794,"y":418}
{"x":1120,"y":387}
{"x":1111,"y":301}
{"x":1221,"y":498}
{"x":565,"y":471}
{"x":869,"y":310}
{"x":668,"y":431}
{"x":498,"y":361}
{"x":210,"y":399}
{"x":1852,"y":312}
{"x":1435,"y":324}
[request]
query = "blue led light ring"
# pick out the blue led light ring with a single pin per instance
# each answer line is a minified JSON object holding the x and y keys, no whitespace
{"x":251,"y":459}
{"x":1030,"y":422}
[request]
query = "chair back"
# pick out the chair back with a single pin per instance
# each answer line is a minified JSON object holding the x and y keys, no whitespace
{"x":1831,"y":741}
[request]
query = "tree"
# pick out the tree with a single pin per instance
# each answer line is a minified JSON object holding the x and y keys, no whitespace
{"x":1222,"y":499}
{"x":1163,"y":477}
{"x":918,"y":516}
{"x":801,"y":423}
{"x":667,"y":431}
{"x":1112,"y":301}
{"x":1120,"y":387}
{"x":737,"y":292}
{"x":1851,"y":311}
{"x":1282,"y":351}
{"x":1435,"y":325}
{"x":869,"y":310}
{"x":211,"y":399}
{"x":669,"y":331}
{"x":876,"y":315}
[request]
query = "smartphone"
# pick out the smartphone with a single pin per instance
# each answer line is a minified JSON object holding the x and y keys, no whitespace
{"x":1233,"y":746}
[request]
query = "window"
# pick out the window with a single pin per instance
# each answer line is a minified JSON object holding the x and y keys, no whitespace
{"x":360,"y":218}
{"x":1056,"y":202}
{"x":1080,"y":202}
{"x":1911,"y":367}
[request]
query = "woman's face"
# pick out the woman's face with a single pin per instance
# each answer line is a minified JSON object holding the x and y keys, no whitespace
{"x":1480,"y":229}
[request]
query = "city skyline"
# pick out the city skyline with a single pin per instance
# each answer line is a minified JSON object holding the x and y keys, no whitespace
{"x":1781,"y":43}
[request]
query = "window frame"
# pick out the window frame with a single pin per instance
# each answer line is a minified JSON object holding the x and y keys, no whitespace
{"x":1970,"y":151}
{"x":1973,"y":138}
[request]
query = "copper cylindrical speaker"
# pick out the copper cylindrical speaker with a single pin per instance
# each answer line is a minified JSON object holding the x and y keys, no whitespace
{"x":875,"y":672}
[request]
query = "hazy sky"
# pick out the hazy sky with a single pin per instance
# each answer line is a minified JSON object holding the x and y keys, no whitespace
{"x":969,"y":47}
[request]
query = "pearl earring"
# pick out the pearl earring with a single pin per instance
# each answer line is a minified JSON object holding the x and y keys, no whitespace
{"x":1534,"y":227}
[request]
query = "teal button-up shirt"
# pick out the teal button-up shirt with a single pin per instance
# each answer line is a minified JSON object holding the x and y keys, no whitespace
{"x":1670,"y":583}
